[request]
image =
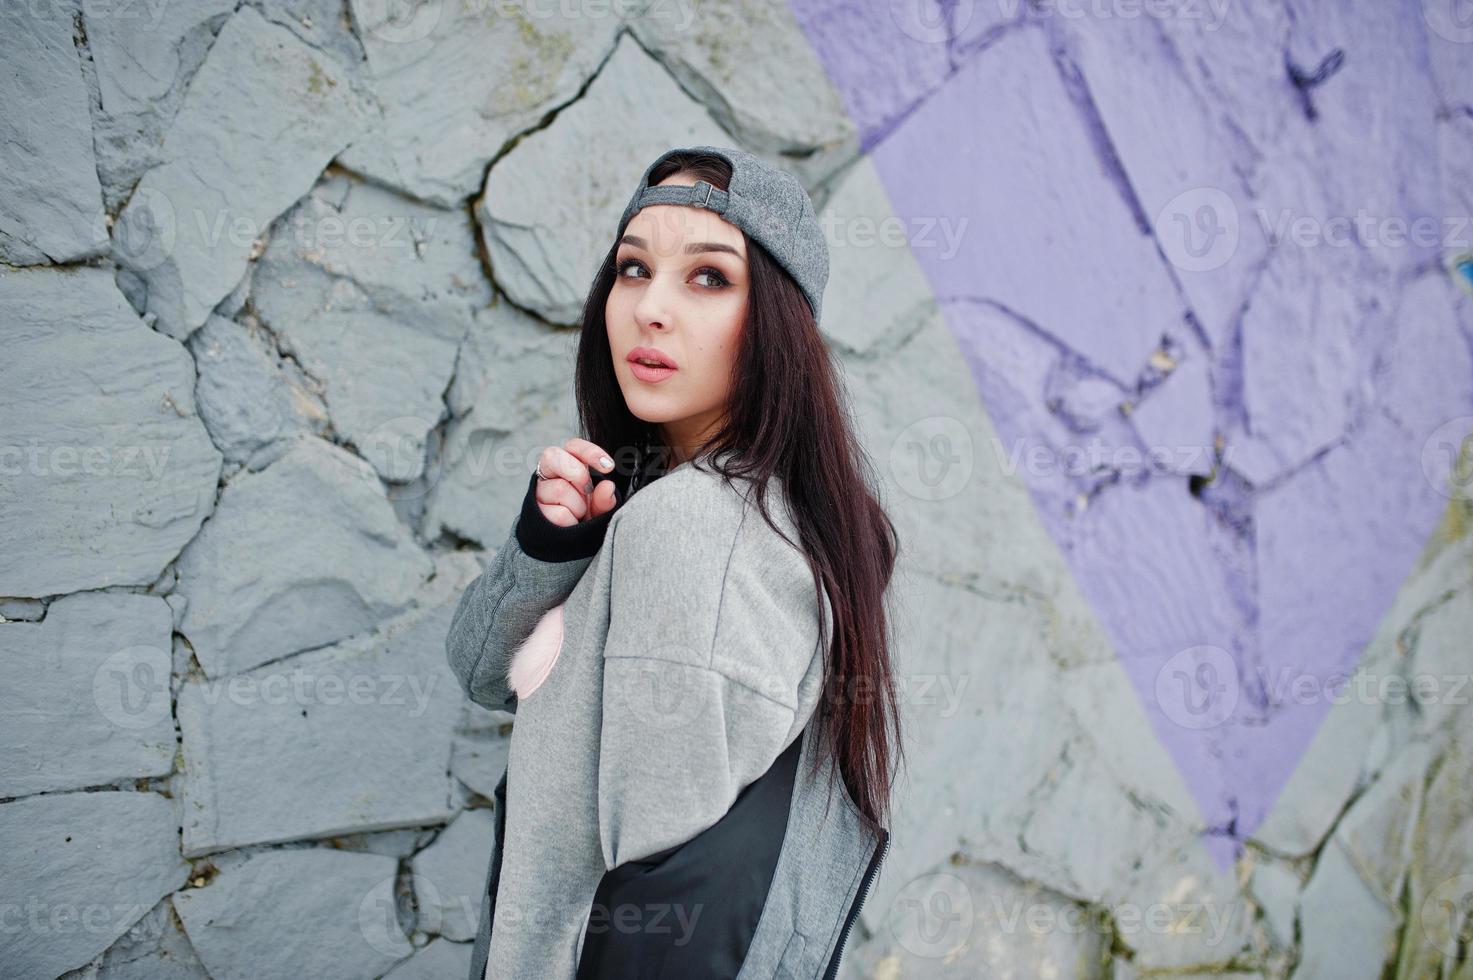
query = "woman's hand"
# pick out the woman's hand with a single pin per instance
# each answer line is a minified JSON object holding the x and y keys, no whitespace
{"x":567,"y":495}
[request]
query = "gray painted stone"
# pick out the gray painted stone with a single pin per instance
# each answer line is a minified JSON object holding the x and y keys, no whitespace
{"x":450,"y":876}
{"x":1376,"y":833}
{"x":1441,"y":664}
{"x":323,"y":24}
{"x":137,"y":52}
{"x":252,"y":407}
{"x":982,"y":669}
{"x":513,"y":395}
{"x":482,"y":740}
{"x":109,"y":471}
{"x":1078,"y":795}
{"x":154,"y":948}
{"x":1131,"y":756}
{"x":456,"y":82}
{"x":283,"y":915}
{"x":398,"y":250}
{"x":875,"y":287}
{"x":1179,"y":911}
{"x":88,"y":700}
{"x":50,"y":198}
{"x":1126,"y":971}
{"x":302,"y":554}
{"x":22,"y":610}
{"x":142,"y":60}
{"x":962,"y":920}
{"x":282,"y":732}
{"x":1275,"y":888}
{"x":439,"y":958}
{"x":82,"y":868}
{"x":1442,"y":869}
{"x":1346,"y":930}
{"x":789,"y":105}
{"x":262,"y":116}
{"x":389,"y":843}
{"x":548,"y":214}
{"x":177,"y":605}
{"x":372,"y":299}
{"x":233,"y":305}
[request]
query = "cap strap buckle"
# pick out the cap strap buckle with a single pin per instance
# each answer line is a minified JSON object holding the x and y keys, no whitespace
{"x":701,"y":194}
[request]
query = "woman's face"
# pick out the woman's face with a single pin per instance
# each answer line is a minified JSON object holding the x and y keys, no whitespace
{"x":680,"y":290}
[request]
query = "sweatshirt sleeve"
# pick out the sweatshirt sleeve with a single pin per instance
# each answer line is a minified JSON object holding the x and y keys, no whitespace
{"x":535,"y":569}
{"x":712,"y":628}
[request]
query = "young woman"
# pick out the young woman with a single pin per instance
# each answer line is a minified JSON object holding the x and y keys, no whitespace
{"x":693,"y":637}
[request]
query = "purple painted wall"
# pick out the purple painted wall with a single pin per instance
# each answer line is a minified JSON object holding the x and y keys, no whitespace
{"x":1153,"y":214}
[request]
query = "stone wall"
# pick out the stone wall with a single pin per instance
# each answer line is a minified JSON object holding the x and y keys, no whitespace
{"x":1147,"y":317}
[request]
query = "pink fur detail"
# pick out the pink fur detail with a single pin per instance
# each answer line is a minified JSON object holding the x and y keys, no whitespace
{"x":533,"y":660}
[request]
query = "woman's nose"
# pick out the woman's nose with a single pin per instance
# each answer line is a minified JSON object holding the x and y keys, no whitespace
{"x":653,"y":308}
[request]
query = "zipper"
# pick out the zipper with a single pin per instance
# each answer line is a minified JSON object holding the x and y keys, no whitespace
{"x":869,"y":876}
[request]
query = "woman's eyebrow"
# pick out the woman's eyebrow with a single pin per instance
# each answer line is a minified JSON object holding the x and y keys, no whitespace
{"x":693,"y":248}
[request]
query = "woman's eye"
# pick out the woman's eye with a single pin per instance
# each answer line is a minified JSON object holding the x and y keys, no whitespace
{"x":715,"y":274}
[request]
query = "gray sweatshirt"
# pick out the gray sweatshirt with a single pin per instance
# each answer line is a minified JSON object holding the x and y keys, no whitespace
{"x":689,"y":660}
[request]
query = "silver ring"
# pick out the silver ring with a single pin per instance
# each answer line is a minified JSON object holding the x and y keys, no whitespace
{"x":540,"y":475}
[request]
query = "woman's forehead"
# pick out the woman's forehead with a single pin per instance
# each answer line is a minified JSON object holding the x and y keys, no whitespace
{"x":669,"y":229}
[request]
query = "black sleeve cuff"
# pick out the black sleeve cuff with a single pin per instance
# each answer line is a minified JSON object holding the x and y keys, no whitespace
{"x":546,"y":541}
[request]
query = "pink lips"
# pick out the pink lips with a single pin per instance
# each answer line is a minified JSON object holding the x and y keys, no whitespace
{"x":646,"y":372}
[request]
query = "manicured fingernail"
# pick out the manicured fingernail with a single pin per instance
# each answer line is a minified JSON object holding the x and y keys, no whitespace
{"x":605,"y":462}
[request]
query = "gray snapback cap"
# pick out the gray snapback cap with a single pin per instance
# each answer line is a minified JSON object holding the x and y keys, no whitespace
{"x":769,"y":204}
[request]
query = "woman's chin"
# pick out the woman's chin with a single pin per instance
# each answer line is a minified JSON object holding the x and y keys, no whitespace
{"x":650,"y":410}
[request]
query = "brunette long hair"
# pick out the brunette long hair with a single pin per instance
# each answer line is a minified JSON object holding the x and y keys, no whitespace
{"x":785,"y":417}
